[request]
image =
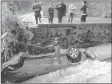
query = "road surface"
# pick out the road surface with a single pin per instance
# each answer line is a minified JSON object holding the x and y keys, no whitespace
{"x":30,"y":19}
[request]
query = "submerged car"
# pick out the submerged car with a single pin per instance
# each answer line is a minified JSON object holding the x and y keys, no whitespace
{"x":101,"y":52}
{"x":31,"y":65}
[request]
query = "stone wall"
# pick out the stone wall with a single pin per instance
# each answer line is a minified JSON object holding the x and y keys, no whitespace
{"x":80,"y":35}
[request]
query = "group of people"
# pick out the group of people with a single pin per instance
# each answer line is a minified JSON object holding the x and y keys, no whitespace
{"x":72,"y":9}
{"x":61,"y":11}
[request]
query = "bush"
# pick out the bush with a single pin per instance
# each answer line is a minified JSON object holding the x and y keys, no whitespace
{"x":10,"y":20}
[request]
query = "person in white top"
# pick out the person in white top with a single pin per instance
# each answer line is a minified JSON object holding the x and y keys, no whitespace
{"x":72,"y":9}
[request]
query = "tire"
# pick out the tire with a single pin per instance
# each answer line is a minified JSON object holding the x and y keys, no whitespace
{"x":74,"y":56}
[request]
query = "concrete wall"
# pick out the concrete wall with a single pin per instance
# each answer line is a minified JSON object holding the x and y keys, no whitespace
{"x":76,"y":34}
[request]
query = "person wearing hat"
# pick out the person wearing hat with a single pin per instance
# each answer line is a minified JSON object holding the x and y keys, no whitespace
{"x":37,"y":9}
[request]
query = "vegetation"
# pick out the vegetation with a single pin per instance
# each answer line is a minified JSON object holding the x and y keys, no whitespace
{"x":10,"y":18}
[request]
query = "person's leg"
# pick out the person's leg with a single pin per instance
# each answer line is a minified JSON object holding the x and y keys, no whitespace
{"x":72,"y":15}
{"x":85,"y":18}
{"x":51,"y":19}
{"x":36,"y":18}
{"x":61,"y":19}
{"x":69,"y":17}
{"x":82,"y":18}
{"x":58,"y":19}
{"x":40,"y":18}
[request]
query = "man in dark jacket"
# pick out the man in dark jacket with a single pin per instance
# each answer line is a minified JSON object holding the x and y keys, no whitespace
{"x":37,"y":9}
{"x":61,"y":11}
{"x":84,"y":12}
{"x":51,"y":13}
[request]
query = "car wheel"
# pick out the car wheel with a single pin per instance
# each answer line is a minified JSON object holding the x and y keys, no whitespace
{"x":73,"y":55}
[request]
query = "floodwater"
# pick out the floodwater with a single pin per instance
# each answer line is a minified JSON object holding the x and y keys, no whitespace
{"x":89,"y":71}
{"x":82,"y":73}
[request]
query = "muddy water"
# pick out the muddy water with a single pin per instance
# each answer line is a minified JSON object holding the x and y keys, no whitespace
{"x":82,"y":73}
{"x":77,"y":74}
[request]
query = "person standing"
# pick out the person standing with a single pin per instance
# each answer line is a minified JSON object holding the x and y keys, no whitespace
{"x":37,"y":9}
{"x":84,"y":12}
{"x":51,"y":13}
{"x":72,"y":9}
{"x":61,"y":11}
